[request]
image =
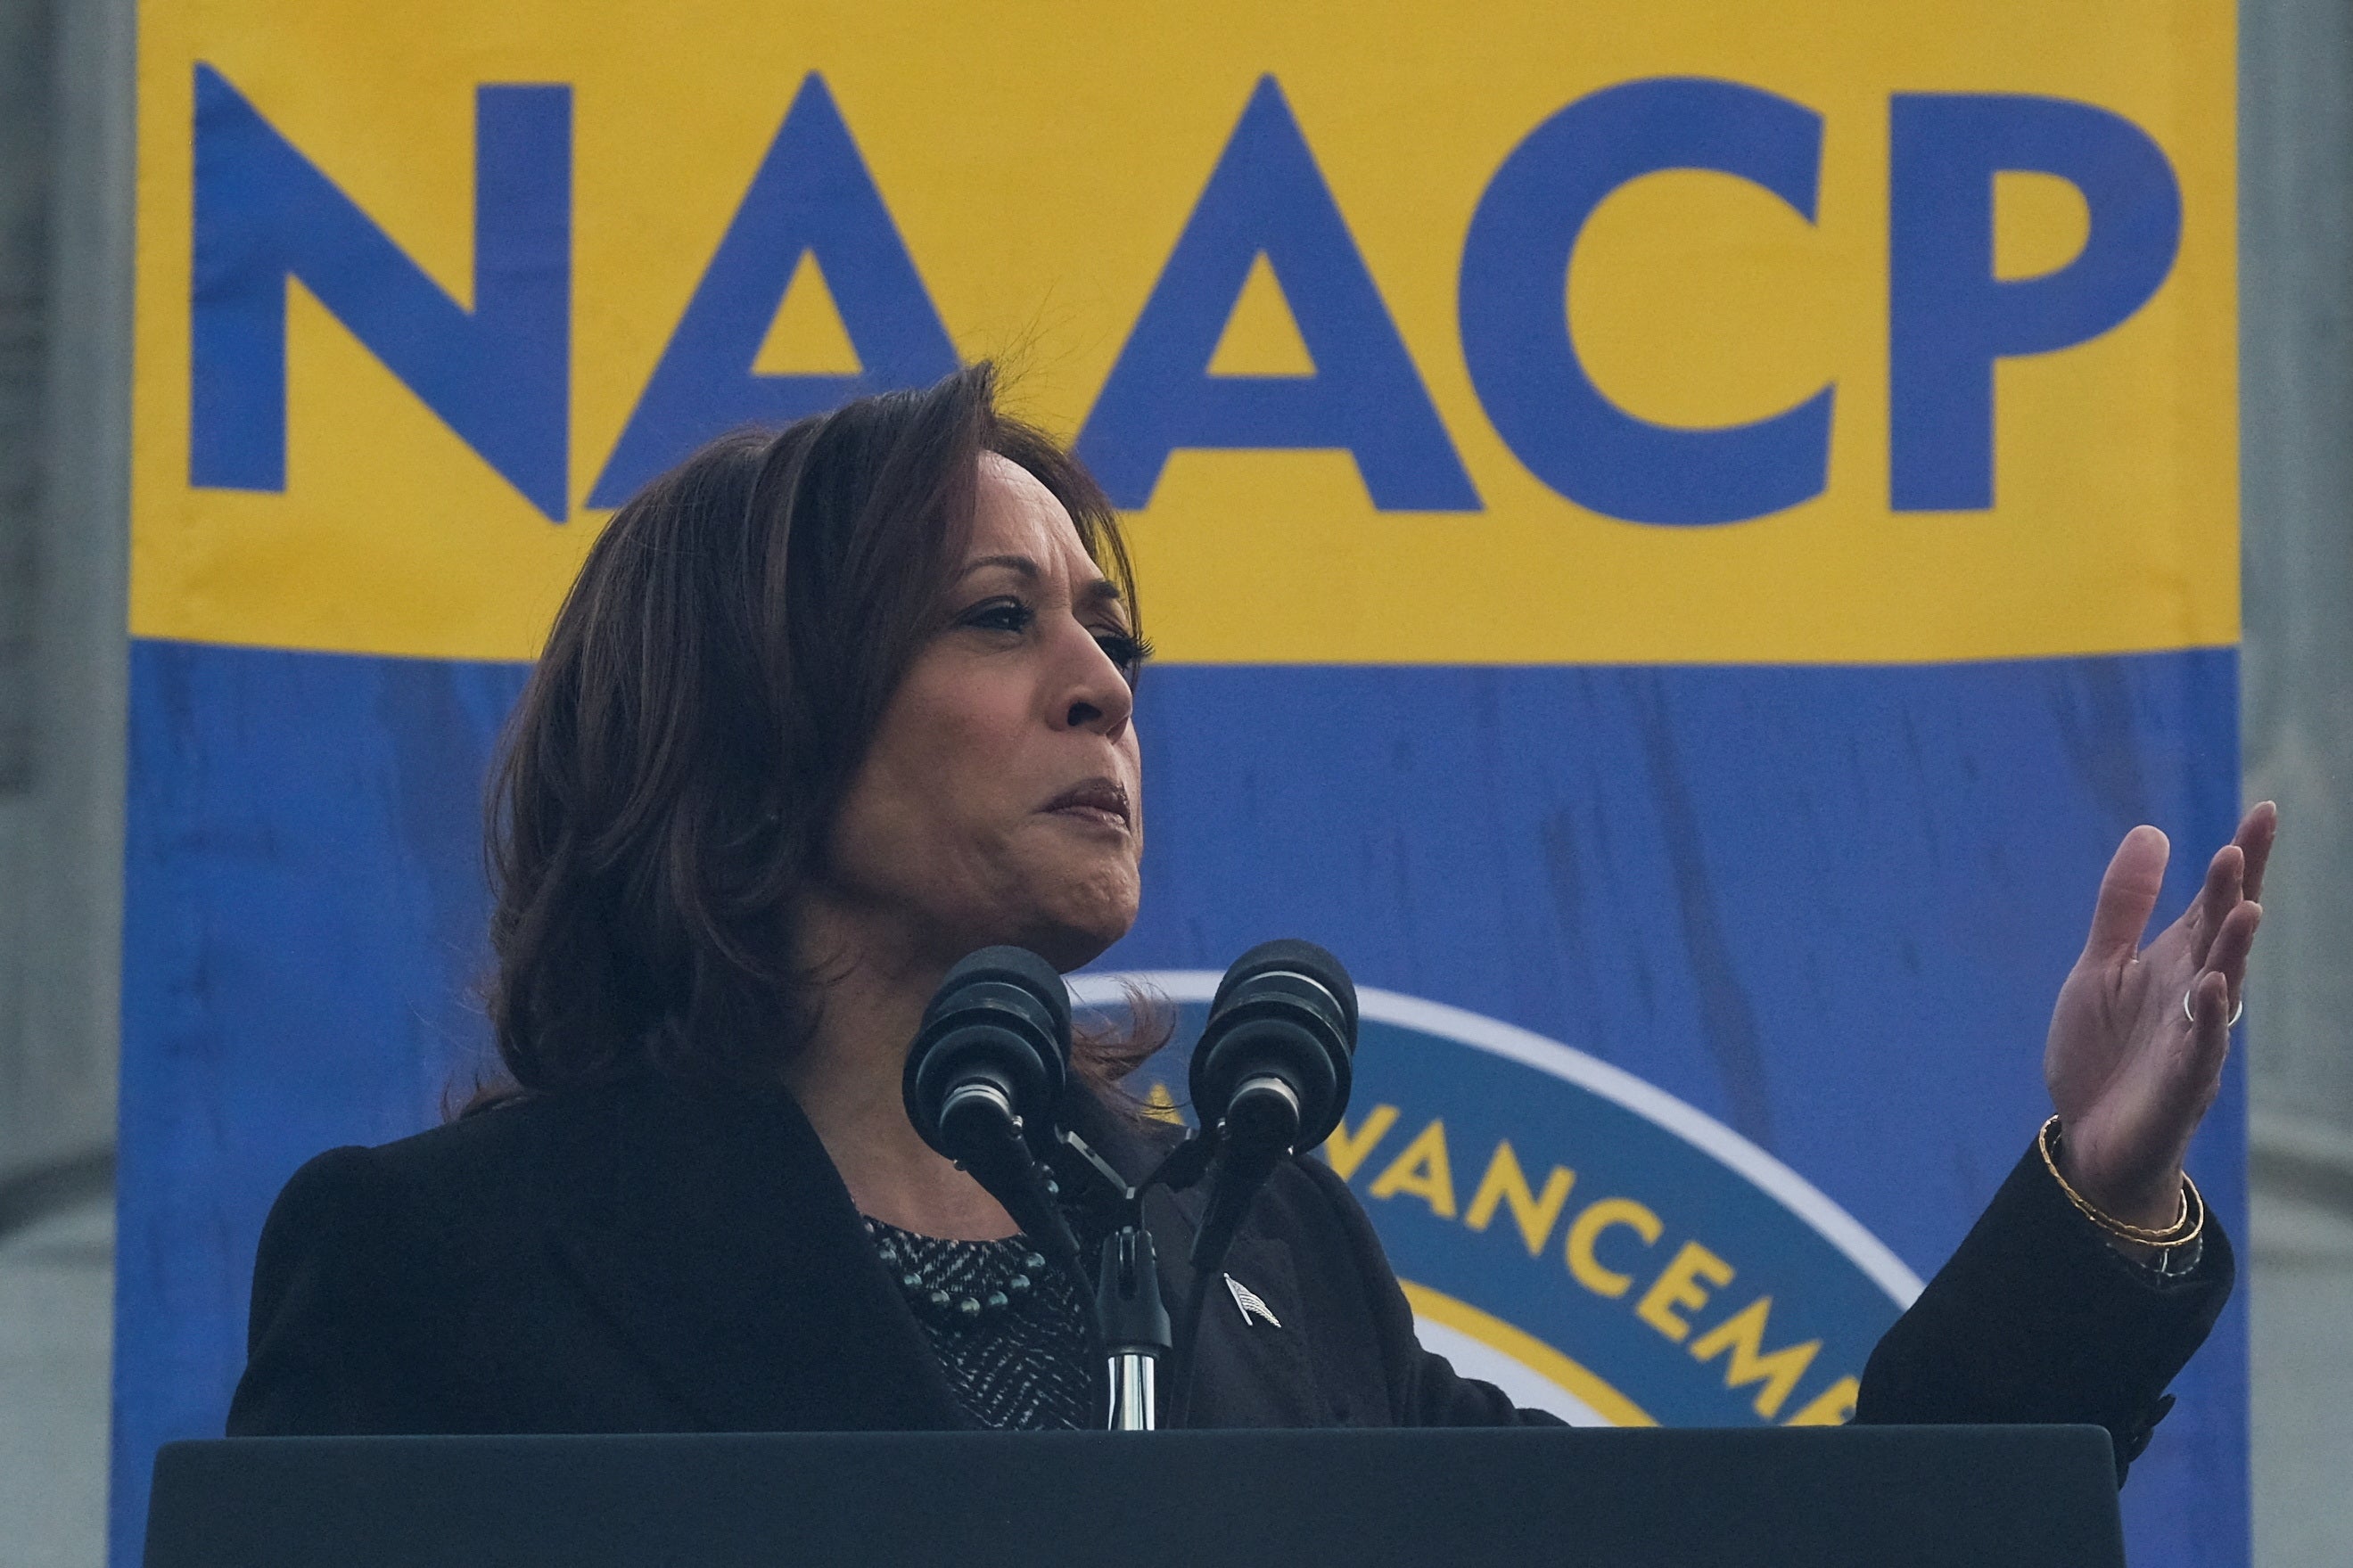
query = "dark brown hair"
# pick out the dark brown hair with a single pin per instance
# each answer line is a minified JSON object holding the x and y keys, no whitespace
{"x":712,"y":683}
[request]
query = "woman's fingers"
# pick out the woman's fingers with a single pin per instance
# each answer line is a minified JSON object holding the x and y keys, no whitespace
{"x":2128,"y":892}
{"x":2228,"y":956}
{"x":2257,"y":830}
{"x":2225,"y":877}
{"x":2210,"y":1042}
{"x":2214,"y":997}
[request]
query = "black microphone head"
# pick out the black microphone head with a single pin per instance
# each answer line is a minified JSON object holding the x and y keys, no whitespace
{"x":1285,"y":1011}
{"x":1014,"y":966}
{"x":1300,"y":957}
{"x":1000,"y":1020}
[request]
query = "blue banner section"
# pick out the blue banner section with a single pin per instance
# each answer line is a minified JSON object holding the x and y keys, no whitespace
{"x":1821,"y":911}
{"x":1667,"y":1273}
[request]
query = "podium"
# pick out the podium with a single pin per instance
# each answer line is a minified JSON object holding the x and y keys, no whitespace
{"x":1885,"y":1497}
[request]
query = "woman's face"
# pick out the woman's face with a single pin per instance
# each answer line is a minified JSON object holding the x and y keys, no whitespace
{"x":1001,"y":799}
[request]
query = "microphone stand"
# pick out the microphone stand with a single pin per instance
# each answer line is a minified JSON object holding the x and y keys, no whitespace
{"x":1134,"y":1325}
{"x":1130,"y":1315}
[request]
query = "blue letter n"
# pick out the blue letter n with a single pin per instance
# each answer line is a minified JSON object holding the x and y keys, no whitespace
{"x":498,"y":375}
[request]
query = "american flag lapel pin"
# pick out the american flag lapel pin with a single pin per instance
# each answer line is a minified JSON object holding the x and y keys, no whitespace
{"x":1248,"y":1300}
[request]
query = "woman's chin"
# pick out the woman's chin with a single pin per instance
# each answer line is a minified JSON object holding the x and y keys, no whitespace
{"x":1070,"y":932}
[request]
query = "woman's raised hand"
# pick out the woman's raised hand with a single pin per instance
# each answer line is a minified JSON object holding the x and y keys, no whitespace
{"x":2131,"y":1070}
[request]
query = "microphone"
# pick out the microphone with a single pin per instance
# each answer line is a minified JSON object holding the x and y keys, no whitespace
{"x":1272,"y":1069}
{"x":983,"y":1076}
{"x":1269,"y":1078}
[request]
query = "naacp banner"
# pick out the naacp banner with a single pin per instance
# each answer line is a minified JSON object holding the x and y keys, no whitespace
{"x":1681,"y":535}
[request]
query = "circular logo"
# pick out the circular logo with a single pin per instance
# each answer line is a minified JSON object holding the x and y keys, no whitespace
{"x":1588,"y":1242}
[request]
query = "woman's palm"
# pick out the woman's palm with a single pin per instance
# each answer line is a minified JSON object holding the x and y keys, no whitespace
{"x":2130,"y":1073}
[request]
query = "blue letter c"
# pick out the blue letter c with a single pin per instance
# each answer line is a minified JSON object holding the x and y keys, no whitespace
{"x":1513,"y":304}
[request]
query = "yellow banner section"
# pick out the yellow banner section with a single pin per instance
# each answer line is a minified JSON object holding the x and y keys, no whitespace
{"x":1819,"y":331}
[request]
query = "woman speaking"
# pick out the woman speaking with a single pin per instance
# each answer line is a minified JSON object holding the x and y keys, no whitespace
{"x":830,"y":709}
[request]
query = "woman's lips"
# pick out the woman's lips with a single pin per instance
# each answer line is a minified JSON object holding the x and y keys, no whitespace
{"x":1101,"y":801}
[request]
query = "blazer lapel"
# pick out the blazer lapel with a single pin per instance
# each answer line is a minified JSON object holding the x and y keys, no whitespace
{"x":1249,"y":1371}
{"x":716,"y":1235}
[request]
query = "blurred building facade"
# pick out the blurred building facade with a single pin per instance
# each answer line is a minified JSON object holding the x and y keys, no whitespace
{"x":2295,"y":359}
{"x":64,"y":328}
{"x":66,"y":190}
{"x":2296,"y":120}
{"x":66,"y":194}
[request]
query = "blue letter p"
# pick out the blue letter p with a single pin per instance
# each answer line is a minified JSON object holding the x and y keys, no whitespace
{"x":1950,"y":318}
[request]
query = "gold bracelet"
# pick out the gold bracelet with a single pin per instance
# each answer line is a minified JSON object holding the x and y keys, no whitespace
{"x":2180,"y":1233}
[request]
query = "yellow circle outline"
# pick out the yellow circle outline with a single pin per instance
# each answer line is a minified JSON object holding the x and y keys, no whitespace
{"x":1528,"y":1350}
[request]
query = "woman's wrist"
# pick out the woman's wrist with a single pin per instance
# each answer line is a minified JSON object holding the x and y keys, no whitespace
{"x":2150,"y":1228}
{"x":2145,"y":1202}
{"x":2155,"y":1208}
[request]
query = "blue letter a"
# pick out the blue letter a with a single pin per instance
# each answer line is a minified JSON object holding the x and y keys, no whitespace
{"x":812,"y":194}
{"x":498,"y":374}
{"x":1267,"y":197}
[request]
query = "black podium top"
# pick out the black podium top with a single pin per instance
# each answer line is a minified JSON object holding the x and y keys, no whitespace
{"x":1921,"y":1497}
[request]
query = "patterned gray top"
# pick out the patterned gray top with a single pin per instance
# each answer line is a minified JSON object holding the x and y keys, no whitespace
{"x":1009,"y":1329}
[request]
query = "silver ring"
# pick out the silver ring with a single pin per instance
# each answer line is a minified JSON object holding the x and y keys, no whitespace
{"x":2191,"y":1013}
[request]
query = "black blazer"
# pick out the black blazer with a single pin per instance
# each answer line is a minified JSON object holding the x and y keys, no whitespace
{"x":651,"y":1259}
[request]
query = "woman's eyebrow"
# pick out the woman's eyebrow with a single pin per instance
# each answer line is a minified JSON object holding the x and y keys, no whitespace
{"x":1103,"y":590}
{"x":1022,"y":565}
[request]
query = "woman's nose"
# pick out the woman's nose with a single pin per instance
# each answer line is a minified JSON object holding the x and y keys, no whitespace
{"x":1099,"y":696}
